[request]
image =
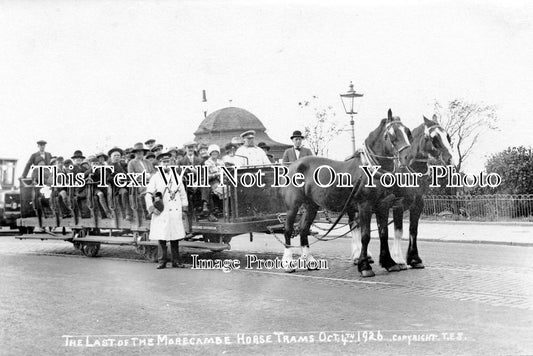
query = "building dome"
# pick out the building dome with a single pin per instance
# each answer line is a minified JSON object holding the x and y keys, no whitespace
{"x":222,"y":125}
{"x":229,"y":119}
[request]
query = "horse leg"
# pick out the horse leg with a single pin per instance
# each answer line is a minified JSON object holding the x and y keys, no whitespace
{"x":412,"y":252}
{"x":287,"y":260}
{"x":365,"y":215}
{"x":356,"y":238}
{"x":305,"y":227}
{"x":397,"y":254}
{"x":385,"y":259}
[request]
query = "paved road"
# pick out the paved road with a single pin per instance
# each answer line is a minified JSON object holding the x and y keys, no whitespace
{"x":471,"y":299}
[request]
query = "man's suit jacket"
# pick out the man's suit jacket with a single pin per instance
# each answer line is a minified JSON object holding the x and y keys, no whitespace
{"x":135,"y":166}
{"x":33,"y":161}
{"x":290,"y":154}
{"x":196,"y":161}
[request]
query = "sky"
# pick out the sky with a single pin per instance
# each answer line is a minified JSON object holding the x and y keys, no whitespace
{"x":90,"y":75}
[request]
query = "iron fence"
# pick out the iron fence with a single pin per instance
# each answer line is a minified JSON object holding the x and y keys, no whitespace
{"x":494,"y":207}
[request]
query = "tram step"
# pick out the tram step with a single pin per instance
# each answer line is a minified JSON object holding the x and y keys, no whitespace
{"x":106,"y":240}
{"x":40,"y":236}
{"x":192,"y":244}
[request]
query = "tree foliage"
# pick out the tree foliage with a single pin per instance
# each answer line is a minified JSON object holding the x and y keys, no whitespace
{"x":323,"y":129}
{"x":465,"y":122}
{"x":515,"y":166}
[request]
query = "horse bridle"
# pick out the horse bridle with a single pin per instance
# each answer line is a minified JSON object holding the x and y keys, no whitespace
{"x":396,"y":158}
{"x":431,"y":129}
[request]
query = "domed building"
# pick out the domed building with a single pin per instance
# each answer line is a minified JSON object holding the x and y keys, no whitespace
{"x":221,"y":125}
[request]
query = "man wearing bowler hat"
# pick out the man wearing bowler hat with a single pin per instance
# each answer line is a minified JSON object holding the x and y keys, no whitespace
{"x":297,"y":151}
{"x":254,"y":156}
{"x":37,"y":156}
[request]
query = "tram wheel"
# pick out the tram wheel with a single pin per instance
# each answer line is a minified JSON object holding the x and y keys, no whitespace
{"x":90,"y":249}
{"x":227,"y":239}
{"x":151,"y":253}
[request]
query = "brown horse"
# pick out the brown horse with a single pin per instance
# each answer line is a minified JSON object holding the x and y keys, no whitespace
{"x":430,"y":142}
{"x":389,"y":139}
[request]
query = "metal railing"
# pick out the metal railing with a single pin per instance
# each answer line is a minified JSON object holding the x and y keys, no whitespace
{"x":496,"y":207}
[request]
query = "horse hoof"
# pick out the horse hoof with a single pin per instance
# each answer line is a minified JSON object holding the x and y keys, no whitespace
{"x":403,"y":266}
{"x":368,"y":273}
{"x":394,"y":268}
{"x":370,"y":260}
{"x":418,"y":265}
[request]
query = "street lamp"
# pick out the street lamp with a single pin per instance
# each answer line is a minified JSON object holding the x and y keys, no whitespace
{"x":204,"y":103}
{"x":350,"y":106}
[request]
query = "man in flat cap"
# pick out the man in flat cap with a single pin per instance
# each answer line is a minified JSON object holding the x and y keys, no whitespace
{"x":297,"y":151}
{"x":150,"y":143}
{"x":37,"y":156}
{"x":156,"y":150}
{"x":252,"y":155}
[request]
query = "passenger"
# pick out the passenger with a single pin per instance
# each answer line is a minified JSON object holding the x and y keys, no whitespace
{"x":62,"y":192}
{"x":128,"y":156}
{"x":102,"y":159}
{"x":179,"y":155}
{"x":190,"y":158}
{"x":35,"y":157}
{"x":202,"y":152}
{"x":214,"y":164}
{"x":229,"y":158}
{"x":197,"y":198}
{"x":237,"y":141}
{"x":166,"y":203}
{"x":43,"y":193}
{"x":266,"y":148}
{"x":100,"y":192}
{"x":150,"y":156}
{"x":150,"y":143}
{"x":173,"y":151}
{"x":139,"y":165}
{"x":298,"y":151}
{"x":77,"y":160}
{"x":254,"y":156}
{"x":119,"y":166}
{"x":68,"y":165}
{"x":157,"y":149}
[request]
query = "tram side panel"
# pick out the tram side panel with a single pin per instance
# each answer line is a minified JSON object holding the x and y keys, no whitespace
{"x":257,"y":202}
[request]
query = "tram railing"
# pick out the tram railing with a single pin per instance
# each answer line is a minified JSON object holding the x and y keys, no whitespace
{"x":491,"y":207}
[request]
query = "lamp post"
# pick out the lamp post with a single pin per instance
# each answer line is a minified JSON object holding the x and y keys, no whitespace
{"x":349,"y":103}
{"x":204,"y":103}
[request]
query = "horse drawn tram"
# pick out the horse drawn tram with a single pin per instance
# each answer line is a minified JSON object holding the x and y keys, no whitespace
{"x":241,"y":210}
{"x":9,"y":196}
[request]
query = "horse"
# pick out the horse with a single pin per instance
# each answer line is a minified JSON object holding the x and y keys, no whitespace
{"x":389,"y":139}
{"x":430,"y":142}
